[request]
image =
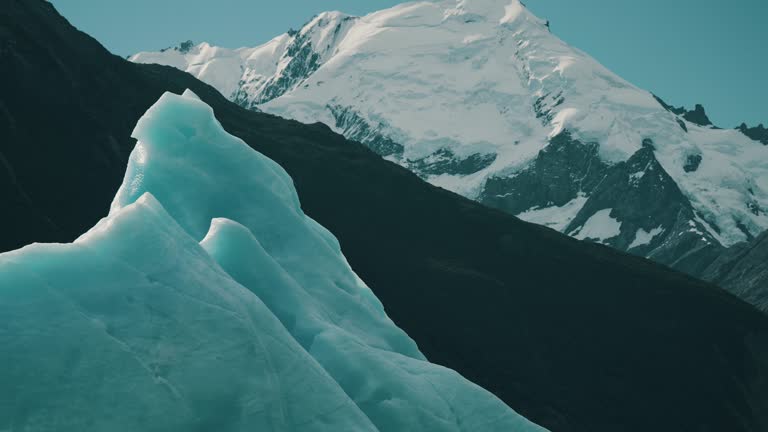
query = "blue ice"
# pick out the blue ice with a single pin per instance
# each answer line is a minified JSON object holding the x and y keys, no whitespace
{"x":208,"y":301}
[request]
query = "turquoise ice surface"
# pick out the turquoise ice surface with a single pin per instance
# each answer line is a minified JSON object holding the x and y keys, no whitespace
{"x":208,"y":301}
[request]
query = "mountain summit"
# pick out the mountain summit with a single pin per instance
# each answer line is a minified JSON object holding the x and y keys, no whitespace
{"x":479,"y":97}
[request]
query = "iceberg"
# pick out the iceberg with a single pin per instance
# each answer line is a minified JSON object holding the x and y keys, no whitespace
{"x":207,"y":300}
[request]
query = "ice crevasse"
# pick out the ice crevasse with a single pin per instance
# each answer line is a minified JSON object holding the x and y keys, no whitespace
{"x":207,"y":300}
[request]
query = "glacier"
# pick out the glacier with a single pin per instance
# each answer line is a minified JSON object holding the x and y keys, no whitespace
{"x":207,"y":300}
{"x":468,"y":93}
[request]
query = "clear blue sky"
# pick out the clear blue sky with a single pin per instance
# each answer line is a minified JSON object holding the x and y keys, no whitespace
{"x":712,"y":52}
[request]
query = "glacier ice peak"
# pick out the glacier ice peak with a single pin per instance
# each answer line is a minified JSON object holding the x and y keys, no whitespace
{"x":207,"y":300}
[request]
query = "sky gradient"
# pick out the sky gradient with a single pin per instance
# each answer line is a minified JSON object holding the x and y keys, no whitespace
{"x":711,"y":52}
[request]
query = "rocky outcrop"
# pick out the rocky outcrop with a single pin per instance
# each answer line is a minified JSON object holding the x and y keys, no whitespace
{"x":696,"y":116}
{"x":445,"y":161}
{"x":357,"y":128}
{"x":758,"y":133}
{"x":561,"y":171}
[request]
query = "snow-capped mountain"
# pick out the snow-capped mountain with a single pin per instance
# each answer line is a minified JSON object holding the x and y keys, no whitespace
{"x":479,"y":97}
{"x":199,"y":306}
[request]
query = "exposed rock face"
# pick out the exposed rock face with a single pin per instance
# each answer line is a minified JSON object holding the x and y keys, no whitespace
{"x":564,"y":169}
{"x":652,"y":216}
{"x":655,"y":217}
{"x":757,"y":133}
{"x":445,"y":161}
{"x":692,"y":163}
{"x":356,"y":128}
{"x":302,"y":53}
{"x":696,"y":116}
{"x":743,"y":270}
